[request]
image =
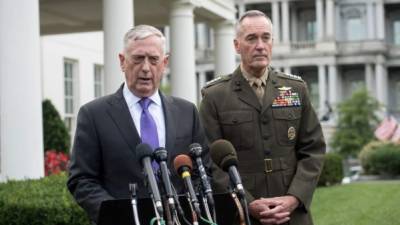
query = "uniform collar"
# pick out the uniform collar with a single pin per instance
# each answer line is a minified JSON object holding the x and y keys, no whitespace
{"x":251,"y":78}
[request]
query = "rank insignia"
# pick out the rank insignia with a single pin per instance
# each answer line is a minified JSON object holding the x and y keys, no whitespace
{"x":291,"y":133}
{"x":286,"y":98}
{"x":284,"y":88}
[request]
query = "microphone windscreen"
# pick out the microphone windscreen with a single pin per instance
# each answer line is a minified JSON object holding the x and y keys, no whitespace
{"x":143,"y":150}
{"x":182,"y":161}
{"x":195,"y":150}
{"x":160,"y":154}
{"x":223,"y":154}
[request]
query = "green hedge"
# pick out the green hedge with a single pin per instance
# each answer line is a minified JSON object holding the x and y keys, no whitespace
{"x":381,"y":158}
{"x":332,"y":172}
{"x":39,"y":202}
{"x":55,"y":133}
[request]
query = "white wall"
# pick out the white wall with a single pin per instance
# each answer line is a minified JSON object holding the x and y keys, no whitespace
{"x":86,"y":49}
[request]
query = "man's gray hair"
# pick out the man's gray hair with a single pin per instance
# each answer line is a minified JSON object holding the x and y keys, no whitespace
{"x":141,"y":32}
{"x":249,"y":14}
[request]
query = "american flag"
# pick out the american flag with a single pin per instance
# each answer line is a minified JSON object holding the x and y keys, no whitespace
{"x":386,"y":129}
{"x":396,"y":136}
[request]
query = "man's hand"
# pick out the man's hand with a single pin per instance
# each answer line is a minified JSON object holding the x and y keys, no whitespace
{"x":273,"y":210}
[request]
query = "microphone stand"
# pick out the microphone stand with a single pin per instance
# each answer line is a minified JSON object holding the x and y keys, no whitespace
{"x":158,"y":216}
{"x":243,"y":202}
{"x":194,"y":214}
{"x":206,"y":207}
{"x":179,"y":207}
{"x":239,"y":207}
{"x":170,"y":210}
{"x":132,"y":189}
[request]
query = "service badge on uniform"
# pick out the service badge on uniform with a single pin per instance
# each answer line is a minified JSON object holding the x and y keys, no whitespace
{"x":286,"y":98}
{"x":291,"y":133}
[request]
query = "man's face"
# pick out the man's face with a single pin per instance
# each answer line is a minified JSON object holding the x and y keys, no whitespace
{"x":143,"y":63}
{"x":254,"y":44}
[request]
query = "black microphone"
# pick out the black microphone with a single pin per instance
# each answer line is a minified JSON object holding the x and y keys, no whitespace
{"x":160,"y":155}
{"x":195,"y":152}
{"x":144,"y":153}
{"x":224,"y":155}
{"x":183,"y":166}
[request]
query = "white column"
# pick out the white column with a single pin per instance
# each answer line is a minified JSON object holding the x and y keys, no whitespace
{"x":381,"y":81}
{"x":285,"y":22}
{"x":370,"y":21}
{"x":287,"y":70}
{"x":182,"y":60}
{"x":167,"y":38}
{"x":320,"y":19}
{"x":369,"y":79}
{"x":330,"y":19}
{"x":380,"y":19}
{"x":225,"y":54}
{"x":275,"y":21}
{"x":117,"y":20}
{"x":21,"y":133}
{"x":334,"y":93}
{"x":241,"y":7}
{"x":293,"y":24}
{"x":322,"y":89}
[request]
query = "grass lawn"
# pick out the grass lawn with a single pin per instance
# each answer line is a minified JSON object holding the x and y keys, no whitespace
{"x":361,"y":203}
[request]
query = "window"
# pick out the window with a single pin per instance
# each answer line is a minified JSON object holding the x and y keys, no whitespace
{"x":311,"y":30}
{"x":354,"y":22}
{"x":396,"y":32}
{"x":70,"y":92}
{"x":98,"y":81}
{"x":397,"y":96}
{"x":354,"y":29}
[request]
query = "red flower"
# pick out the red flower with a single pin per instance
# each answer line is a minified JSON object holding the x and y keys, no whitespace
{"x":55,"y":162}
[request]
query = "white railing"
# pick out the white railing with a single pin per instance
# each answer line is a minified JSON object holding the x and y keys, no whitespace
{"x":303,"y":45}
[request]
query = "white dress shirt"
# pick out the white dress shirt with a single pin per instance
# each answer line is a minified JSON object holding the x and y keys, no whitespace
{"x":155,"y":109}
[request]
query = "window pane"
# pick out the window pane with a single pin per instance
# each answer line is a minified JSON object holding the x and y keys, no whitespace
{"x":98,"y":81}
{"x":354,"y":29}
{"x":311,"y":28}
{"x":396,"y":32}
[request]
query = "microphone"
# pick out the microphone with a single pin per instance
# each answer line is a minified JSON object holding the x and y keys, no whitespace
{"x":195,"y":152}
{"x":183,"y":166}
{"x":160,"y":155}
{"x":144,"y":153}
{"x":224,"y":155}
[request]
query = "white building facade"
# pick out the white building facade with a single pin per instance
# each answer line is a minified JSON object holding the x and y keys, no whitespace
{"x":336,"y":46}
{"x":32,"y":69}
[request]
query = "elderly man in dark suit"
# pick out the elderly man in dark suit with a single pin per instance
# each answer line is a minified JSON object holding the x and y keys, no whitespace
{"x":268,"y":117}
{"x":103,"y":160}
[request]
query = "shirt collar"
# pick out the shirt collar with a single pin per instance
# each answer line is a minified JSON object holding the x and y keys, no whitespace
{"x":250,"y":78}
{"x":132,"y":99}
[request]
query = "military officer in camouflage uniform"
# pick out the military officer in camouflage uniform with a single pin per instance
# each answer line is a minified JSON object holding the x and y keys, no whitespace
{"x":268,"y":117}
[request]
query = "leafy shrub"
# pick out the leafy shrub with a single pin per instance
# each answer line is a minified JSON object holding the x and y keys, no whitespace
{"x":381,"y":158}
{"x":332,"y":171}
{"x":55,"y":162}
{"x":55,"y":132}
{"x":356,"y":123}
{"x":39,"y":202}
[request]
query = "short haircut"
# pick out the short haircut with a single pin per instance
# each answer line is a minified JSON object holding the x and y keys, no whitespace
{"x":141,"y":32}
{"x":249,"y":14}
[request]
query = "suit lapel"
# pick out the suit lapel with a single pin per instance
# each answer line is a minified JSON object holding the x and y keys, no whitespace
{"x":272,"y":90}
{"x":170,"y":129}
{"x":120,"y":114}
{"x":243,"y":90}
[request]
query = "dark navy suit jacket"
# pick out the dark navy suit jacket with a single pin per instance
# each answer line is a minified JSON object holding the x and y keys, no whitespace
{"x":103,"y":160}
